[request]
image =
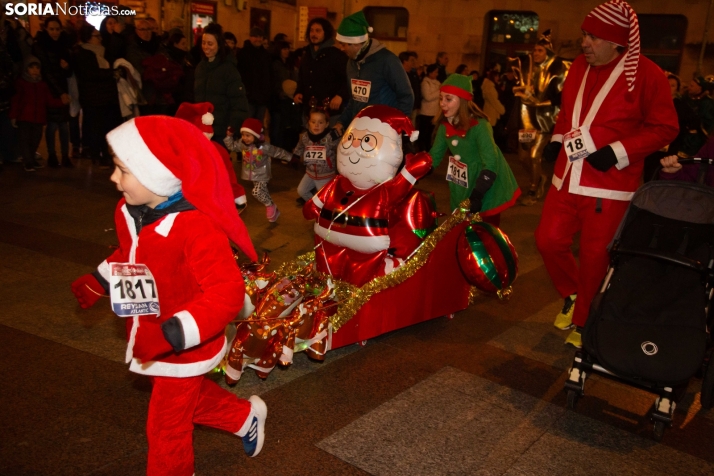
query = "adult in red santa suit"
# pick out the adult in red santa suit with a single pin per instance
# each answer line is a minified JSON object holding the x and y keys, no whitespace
{"x":616,"y":109}
{"x":352,"y":211}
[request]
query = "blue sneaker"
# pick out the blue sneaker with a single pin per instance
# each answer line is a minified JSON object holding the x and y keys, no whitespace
{"x":253,"y":440}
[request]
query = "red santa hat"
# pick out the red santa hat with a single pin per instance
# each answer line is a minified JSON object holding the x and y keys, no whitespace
{"x":616,"y":22}
{"x":388,"y":121}
{"x":167,"y":155}
{"x":199,"y":114}
{"x":253,"y":126}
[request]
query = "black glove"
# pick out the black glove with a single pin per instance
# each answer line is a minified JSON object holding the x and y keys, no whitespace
{"x":173,"y":333}
{"x":551,"y":151}
{"x":602,"y":159}
{"x":484,"y":182}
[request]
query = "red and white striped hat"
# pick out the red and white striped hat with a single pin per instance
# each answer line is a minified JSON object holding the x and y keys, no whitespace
{"x":616,"y":22}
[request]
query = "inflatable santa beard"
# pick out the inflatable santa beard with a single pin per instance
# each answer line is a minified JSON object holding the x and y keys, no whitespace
{"x":370,"y":153}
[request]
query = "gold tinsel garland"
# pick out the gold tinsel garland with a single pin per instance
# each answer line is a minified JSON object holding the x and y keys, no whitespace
{"x":352,"y":298}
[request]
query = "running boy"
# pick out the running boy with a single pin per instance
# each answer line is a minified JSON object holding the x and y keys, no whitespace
{"x":317,"y":147}
{"x":175,"y":280}
{"x":256,"y":157}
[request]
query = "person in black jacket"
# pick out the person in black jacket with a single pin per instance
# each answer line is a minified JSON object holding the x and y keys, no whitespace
{"x":9,"y":55}
{"x":98,"y":94}
{"x":218,"y":81}
{"x":323,"y":70}
{"x":52,"y":48}
{"x":255,"y":67}
{"x":114,"y":43}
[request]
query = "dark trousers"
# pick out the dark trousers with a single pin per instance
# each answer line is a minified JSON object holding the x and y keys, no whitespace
{"x":63,"y":128}
{"x":98,"y":121}
{"x":29,"y":135}
{"x":75,"y":134}
{"x":426,"y":129}
{"x":8,"y":139}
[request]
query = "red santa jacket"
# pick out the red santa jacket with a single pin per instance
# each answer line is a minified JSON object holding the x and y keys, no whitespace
{"x":364,"y":227}
{"x":31,"y":100}
{"x":197,"y":281}
{"x":238,"y":190}
{"x":635,"y":125}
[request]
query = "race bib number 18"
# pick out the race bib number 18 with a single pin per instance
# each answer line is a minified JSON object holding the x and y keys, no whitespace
{"x":458,"y":172}
{"x":361,"y":89}
{"x":578,"y":144}
{"x":132,"y":289}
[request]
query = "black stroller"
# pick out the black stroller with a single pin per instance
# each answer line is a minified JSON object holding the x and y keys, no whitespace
{"x":650,"y":324}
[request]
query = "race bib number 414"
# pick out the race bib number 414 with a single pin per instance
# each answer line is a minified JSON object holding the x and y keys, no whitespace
{"x":132,"y":290}
{"x":458,"y":172}
{"x":361,"y":90}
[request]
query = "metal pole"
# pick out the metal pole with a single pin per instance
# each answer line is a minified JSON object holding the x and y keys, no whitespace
{"x":704,"y":38}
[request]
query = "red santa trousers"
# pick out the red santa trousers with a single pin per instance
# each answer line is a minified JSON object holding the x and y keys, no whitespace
{"x":176,"y":405}
{"x":564,"y":214}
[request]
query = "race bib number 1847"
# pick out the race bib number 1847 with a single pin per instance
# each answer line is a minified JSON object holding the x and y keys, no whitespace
{"x":132,"y":289}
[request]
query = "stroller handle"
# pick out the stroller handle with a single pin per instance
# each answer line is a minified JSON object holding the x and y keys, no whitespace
{"x":704,"y":163}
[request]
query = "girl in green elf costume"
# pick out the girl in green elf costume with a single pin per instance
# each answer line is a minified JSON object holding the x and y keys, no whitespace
{"x":477,"y":168}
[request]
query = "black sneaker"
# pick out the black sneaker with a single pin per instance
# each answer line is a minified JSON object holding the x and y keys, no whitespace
{"x":29,"y":168}
{"x":300,"y":201}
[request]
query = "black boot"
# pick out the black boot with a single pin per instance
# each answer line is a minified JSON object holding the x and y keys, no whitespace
{"x":52,"y":161}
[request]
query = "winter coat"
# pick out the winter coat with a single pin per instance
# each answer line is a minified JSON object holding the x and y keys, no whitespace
{"x":323,"y":74}
{"x":31,"y":100}
{"x":115,"y":46}
{"x":476,"y":148}
{"x":389,"y":82}
{"x":220,"y":83}
{"x":256,"y":159}
{"x":97,"y":86}
{"x":430,"y":97}
{"x":492,"y":107}
{"x":256,"y":69}
{"x":196,"y":279}
{"x":50,"y":53}
{"x":319,"y":170}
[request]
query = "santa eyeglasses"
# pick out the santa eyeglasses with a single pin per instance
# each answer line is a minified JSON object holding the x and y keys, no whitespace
{"x":367,"y":143}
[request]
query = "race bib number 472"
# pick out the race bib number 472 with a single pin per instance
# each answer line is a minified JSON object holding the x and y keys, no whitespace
{"x":361,"y":90}
{"x":132,"y":290}
{"x":314,"y":154}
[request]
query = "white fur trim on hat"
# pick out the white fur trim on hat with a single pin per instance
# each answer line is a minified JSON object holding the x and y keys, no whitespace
{"x":130,"y":148}
{"x":374,"y":125}
{"x":207,"y":119}
{"x":251,"y":131}
{"x":352,"y":40}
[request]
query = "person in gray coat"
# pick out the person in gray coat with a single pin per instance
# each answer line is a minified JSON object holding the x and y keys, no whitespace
{"x":218,"y":81}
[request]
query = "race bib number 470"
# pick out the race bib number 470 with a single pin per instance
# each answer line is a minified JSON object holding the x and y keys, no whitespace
{"x":132,"y":290}
{"x":458,"y":172}
{"x":361,"y":89}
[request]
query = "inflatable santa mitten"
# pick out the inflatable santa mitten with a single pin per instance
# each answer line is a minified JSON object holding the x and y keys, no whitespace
{"x":201,"y":116}
{"x":352,"y":212}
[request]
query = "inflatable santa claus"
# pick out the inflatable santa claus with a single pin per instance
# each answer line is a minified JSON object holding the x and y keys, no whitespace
{"x":352,"y":212}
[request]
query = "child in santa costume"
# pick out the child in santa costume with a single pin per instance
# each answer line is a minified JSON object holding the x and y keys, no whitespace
{"x":256,"y":158}
{"x":352,"y":212}
{"x":477,"y":169}
{"x":174,"y":279}
{"x":201,"y":116}
{"x":317,"y":147}
{"x":616,"y":109}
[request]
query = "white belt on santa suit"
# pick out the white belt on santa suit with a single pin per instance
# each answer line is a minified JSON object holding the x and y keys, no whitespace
{"x":576,"y":168}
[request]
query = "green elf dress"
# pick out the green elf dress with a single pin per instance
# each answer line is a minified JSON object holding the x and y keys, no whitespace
{"x":476,"y":149}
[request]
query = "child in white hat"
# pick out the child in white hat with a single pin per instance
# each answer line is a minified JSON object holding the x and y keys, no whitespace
{"x":175,"y":280}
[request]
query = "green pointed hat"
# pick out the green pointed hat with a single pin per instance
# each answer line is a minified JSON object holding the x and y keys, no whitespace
{"x":458,"y":85}
{"x":354,"y":29}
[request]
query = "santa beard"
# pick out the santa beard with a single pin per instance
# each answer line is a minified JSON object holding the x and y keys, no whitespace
{"x":367,"y":169}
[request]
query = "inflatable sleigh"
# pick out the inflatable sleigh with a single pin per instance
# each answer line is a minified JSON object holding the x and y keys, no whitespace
{"x":382,"y":262}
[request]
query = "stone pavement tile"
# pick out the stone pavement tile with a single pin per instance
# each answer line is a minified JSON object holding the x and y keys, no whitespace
{"x":580,"y":445}
{"x":544,"y":347}
{"x":451,"y":423}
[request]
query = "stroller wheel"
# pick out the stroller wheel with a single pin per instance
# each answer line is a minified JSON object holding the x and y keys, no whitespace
{"x":707,"y":395}
{"x":658,"y":430}
{"x":573,"y":398}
